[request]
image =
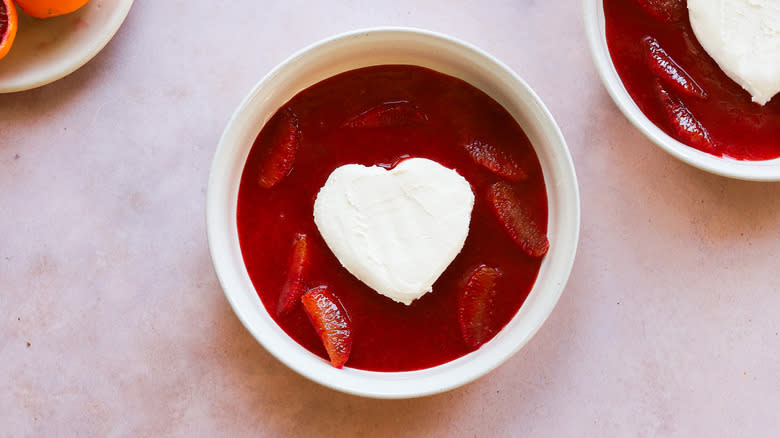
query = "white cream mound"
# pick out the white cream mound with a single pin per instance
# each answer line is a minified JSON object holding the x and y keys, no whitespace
{"x":395,"y":230}
{"x":743,"y":37}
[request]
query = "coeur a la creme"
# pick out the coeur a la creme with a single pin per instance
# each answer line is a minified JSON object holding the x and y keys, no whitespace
{"x":395,"y":230}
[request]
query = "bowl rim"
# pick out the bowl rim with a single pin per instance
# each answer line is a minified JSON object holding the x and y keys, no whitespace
{"x":766,"y":170}
{"x":232,"y":274}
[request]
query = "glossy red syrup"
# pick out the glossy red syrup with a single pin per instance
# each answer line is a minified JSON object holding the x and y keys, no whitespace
{"x":389,"y":336}
{"x":740,"y":128}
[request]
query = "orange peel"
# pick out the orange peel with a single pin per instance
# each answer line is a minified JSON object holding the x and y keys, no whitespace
{"x":49,"y":8}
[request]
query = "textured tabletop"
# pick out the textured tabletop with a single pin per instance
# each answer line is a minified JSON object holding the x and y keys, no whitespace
{"x":112,"y":321}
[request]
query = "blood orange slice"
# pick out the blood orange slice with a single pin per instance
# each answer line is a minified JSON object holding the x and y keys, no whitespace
{"x":8,"y":25}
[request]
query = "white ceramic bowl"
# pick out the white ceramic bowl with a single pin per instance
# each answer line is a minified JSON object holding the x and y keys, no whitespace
{"x":392,"y":46}
{"x":768,"y":170}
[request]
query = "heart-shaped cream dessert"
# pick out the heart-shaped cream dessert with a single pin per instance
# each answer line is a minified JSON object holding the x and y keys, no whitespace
{"x":743,"y":37}
{"x":395,"y":230}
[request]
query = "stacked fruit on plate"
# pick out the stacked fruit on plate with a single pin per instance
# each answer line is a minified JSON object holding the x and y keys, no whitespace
{"x":9,"y":20}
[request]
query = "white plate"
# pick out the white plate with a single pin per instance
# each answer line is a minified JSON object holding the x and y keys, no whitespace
{"x":47,"y":50}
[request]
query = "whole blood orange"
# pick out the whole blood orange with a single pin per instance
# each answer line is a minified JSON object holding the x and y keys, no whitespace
{"x":49,"y":8}
{"x":8,"y":24}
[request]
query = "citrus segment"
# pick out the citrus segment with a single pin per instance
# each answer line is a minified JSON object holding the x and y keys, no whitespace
{"x":8,"y":25}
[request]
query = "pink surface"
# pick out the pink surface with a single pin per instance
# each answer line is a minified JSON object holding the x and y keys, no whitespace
{"x":112,"y":322}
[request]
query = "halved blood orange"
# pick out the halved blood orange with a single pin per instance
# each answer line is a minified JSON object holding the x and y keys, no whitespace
{"x":49,"y":8}
{"x":8,"y":24}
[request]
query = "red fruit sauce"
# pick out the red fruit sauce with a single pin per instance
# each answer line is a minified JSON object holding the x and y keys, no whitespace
{"x":389,"y":336}
{"x":739,"y":128}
